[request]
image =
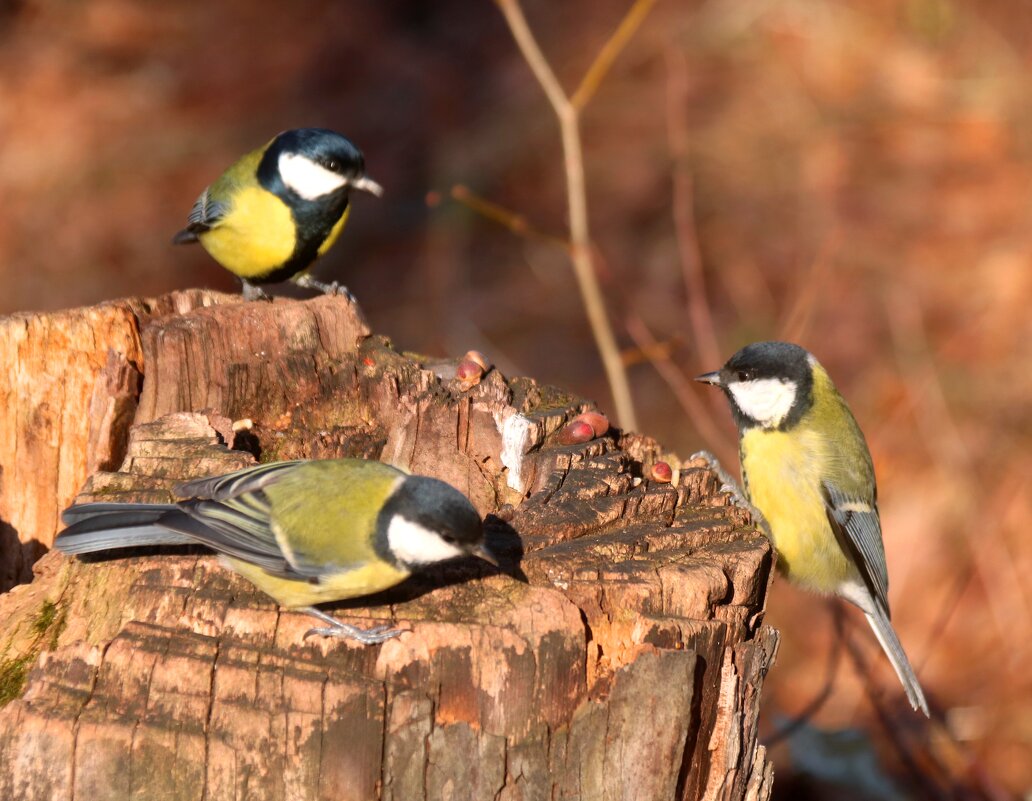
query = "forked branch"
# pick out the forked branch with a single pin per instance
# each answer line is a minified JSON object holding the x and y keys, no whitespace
{"x":567,"y":111}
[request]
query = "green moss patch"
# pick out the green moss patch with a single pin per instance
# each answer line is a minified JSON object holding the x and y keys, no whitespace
{"x":14,"y":672}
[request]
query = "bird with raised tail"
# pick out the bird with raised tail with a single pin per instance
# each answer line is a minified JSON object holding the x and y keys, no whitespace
{"x":807,"y":470}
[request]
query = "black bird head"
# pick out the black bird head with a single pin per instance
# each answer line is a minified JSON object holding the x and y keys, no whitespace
{"x":313,"y":164}
{"x":768,"y":384}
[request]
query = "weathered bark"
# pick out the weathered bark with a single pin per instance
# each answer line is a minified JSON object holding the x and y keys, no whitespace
{"x":69,"y":384}
{"x":620,"y":653}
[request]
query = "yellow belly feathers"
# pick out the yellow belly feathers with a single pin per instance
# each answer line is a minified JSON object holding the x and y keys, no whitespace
{"x":784,"y":483}
{"x":372,"y":577}
{"x":256,"y":235}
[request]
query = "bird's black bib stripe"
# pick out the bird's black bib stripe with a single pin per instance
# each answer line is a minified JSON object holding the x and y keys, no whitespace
{"x":745,"y":475}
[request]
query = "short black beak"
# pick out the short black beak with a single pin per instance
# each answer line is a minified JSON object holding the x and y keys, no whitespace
{"x":709,"y":378}
{"x":485,"y":554}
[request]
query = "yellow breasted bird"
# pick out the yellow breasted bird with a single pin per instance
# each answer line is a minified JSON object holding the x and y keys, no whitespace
{"x":279,"y":208}
{"x":807,"y":469}
{"x":303,"y":532}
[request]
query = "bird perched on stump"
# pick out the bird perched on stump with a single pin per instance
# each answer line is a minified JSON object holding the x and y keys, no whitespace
{"x":268,"y":217}
{"x":807,"y":470}
{"x":303,"y":532}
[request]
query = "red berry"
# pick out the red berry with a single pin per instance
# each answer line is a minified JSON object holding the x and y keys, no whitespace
{"x":575,"y":432}
{"x":662,"y":473}
{"x":468,"y":373}
{"x":599,"y":422}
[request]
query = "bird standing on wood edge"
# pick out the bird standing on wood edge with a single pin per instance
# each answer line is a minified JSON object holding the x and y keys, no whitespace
{"x":807,"y":470}
{"x":269,"y":216}
{"x":304,"y":532}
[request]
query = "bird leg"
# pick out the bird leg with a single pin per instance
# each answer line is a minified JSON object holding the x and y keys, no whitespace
{"x":728,"y":484}
{"x":333,"y":288}
{"x":343,"y":631}
{"x":252,"y":292}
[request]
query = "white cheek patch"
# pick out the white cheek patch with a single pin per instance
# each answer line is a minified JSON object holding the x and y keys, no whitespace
{"x":308,"y":179}
{"x":412,"y":544}
{"x":766,"y":400}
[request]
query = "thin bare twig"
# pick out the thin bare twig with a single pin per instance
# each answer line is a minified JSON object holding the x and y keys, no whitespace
{"x":610,"y":50}
{"x":933,"y":634}
{"x":576,"y":198}
{"x":663,"y":349}
{"x":516,"y":223}
{"x":681,"y":386}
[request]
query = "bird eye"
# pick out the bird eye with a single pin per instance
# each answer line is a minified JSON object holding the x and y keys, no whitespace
{"x":332,"y":165}
{"x":448,"y":538}
{"x":742,"y":375}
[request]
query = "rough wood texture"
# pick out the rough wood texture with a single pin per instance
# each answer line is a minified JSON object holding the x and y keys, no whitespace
{"x":69,"y":384}
{"x":620,"y":654}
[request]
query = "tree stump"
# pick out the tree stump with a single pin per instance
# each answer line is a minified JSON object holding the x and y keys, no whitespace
{"x":618,"y":654}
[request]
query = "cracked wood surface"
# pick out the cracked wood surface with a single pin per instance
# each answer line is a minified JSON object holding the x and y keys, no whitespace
{"x":619,"y":654}
{"x":69,"y":385}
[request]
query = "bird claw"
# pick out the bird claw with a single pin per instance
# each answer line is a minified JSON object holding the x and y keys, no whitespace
{"x":333,"y":288}
{"x":705,"y":456}
{"x":377,"y":630}
{"x":335,"y":628}
{"x":343,"y":631}
{"x":730,"y":486}
{"x":727,"y":483}
{"x":252,"y":292}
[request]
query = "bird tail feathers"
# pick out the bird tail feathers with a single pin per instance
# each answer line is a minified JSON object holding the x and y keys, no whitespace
{"x":107,"y":526}
{"x":897,"y":657}
{"x":185,"y":237}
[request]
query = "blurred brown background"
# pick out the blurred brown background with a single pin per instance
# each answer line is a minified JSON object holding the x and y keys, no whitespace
{"x":862,"y":181}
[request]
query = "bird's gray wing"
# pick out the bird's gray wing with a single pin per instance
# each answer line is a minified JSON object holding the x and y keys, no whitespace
{"x":232,"y":515}
{"x":239,"y":528}
{"x":205,"y":215}
{"x":857,"y":526}
{"x":235,"y":484}
{"x":206,"y":212}
{"x":237,"y":515}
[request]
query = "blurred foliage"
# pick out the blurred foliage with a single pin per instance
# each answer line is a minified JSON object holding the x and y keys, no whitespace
{"x":860,"y":176}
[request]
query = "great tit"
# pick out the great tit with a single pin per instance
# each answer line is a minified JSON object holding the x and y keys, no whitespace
{"x":807,"y":469}
{"x":304,"y":532}
{"x":279,"y":208}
